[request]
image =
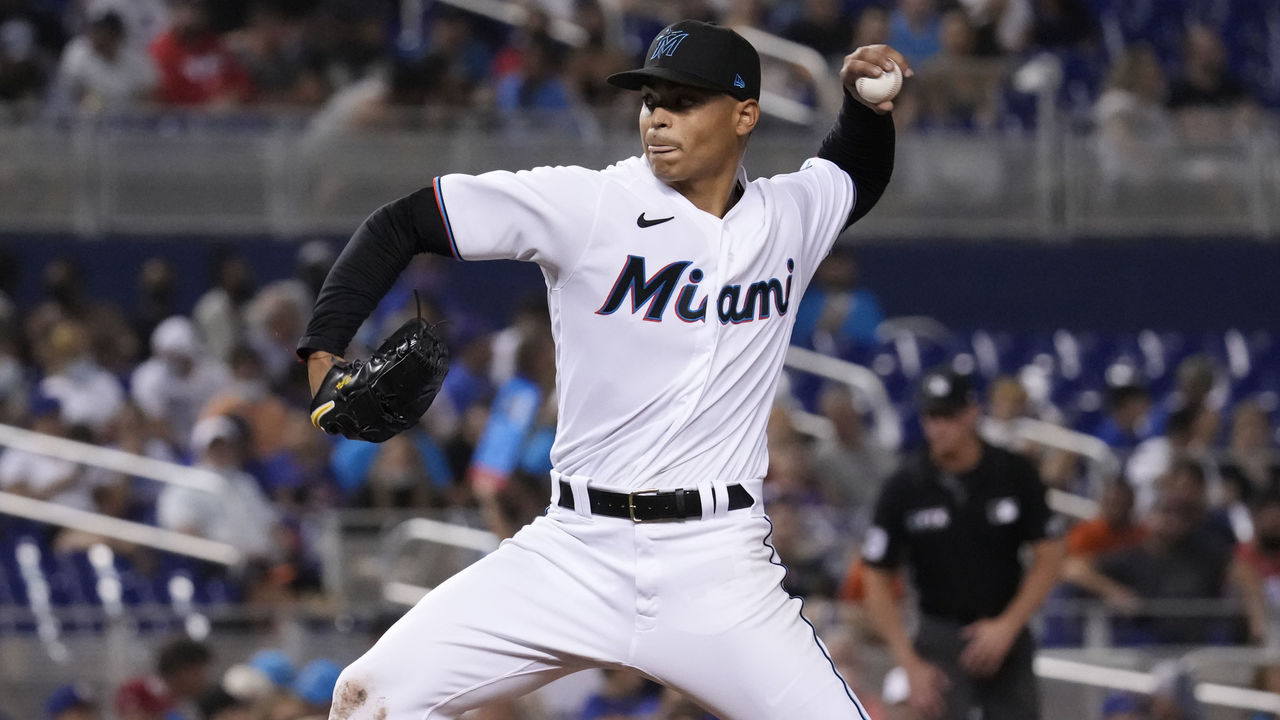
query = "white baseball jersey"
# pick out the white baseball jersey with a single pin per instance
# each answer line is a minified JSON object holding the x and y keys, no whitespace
{"x":671,"y":324}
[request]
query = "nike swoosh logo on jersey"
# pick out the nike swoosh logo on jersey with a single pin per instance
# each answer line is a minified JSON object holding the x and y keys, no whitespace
{"x":644,"y":222}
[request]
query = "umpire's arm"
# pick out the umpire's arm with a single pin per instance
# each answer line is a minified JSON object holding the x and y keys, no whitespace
{"x":862,"y":141}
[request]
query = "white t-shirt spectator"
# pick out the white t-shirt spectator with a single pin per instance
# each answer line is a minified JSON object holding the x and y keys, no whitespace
{"x":163,"y":394}
{"x":240,"y":516}
{"x":88,"y":394}
{"x":106,"y":84}
{"x":41,"y":472}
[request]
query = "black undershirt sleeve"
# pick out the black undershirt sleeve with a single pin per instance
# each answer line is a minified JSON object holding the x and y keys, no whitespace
{"x":861,"y":144}
{"x":377,"y":253}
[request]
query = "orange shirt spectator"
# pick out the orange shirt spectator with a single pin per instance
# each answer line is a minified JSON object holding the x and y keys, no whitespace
{"x":1113,"y":528}
{"x":1097,"y":536}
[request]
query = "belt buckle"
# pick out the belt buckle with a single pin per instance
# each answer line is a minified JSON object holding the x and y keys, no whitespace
{"x":631,"y":502}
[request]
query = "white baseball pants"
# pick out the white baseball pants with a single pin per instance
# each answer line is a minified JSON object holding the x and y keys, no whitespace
{"x":697,"y":605}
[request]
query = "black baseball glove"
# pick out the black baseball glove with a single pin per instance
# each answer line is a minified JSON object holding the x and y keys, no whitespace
{"x":377,"y":398}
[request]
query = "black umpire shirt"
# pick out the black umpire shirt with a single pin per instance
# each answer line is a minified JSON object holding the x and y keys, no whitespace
{"x":961,"y":534}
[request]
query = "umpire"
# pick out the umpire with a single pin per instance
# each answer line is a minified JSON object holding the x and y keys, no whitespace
{"x":959,"y":514}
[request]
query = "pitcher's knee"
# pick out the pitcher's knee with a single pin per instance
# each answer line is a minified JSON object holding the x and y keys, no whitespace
{"x":355,"y":699}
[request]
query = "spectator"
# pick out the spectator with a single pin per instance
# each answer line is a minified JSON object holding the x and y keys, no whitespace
{"x":957,"y":90}
{"x":536,"y":96}
{"x":1261,"y":555}
{"x":219,"y":313}
{"x":1251,"y":463}
{"x":823,"y":26}
{"x":467,"y":383}
{"x":1112,"y":530}
{"x":111,"y":340}
{"x":589,"y":64}
{"x":1065,"y":24}
{"x":407,"y":471}
{"x":1128,"y":404}
{"x":1199,"y":386}
{"x":194,"y":65}
{"x":282,"y":64}
{"x":240,"y":515}
{"x":314,"y":685}
{"x":800,"y":550}
{"x":452,"y":39}
{"x":178,"y":380}
{"x":1001,"y":27}
{"x":181,"y":676}
{"x":13,"y":378}
{"x":850,"y":466}
{"x":515,"y":447}
{"x":836,"y":315}
{"x":218,"y":704}
{"x":101,"y":72}
{"x":1178,"y":560}
{"x":915,"y":30}
{"x":23,"y":72}
{"x":1007,"y":402}
{"x":72,"y":702}
{"x":274,"y":319}
{"x":249,"y":396}
{"x":89,"y":395}
{"x":396,"y":99}
{"x":312,"y":264}
{"x":1206,"y":99}
{"x":144,"y":20}
{"x":275,"y":665}
{"x":1135,"y":133}
{"x":626,"y":694}
{"x":535,"y":28}
{"x":872,"y":26}
{"x":1154,"y":457}
{"x":530,"y":318}
{"x":157,"y":284}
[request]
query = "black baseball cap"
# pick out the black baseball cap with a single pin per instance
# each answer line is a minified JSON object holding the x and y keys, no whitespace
{"x":700,"y":54}
{"x":945,"y":391}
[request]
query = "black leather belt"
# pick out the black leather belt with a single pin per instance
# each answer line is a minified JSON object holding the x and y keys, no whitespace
{"x":651,"y":505}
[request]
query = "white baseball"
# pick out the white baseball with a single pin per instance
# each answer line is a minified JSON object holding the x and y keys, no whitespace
{"x":876,"y":90}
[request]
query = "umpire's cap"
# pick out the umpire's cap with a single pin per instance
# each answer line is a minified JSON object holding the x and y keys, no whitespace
{"x":945,"y":391}
{"x":700,"y":54}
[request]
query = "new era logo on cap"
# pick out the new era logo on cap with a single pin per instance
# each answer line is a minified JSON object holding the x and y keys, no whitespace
{"x":667,"y":45}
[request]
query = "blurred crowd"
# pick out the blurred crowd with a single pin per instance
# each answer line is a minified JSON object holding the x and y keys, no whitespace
{"x":1136,"y":68}
{"x":1191,"y":512}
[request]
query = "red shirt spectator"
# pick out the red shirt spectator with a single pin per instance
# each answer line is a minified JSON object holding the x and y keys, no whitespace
{"x":194,"y":65}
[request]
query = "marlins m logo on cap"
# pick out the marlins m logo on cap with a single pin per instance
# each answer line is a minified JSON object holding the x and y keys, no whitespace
{"x":716,"y":58}
{"x":667,"y":45}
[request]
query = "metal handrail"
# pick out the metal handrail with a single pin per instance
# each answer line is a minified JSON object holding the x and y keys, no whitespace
{"x":105,"y":525}
{"x":425,"y":530}
{"x":119,"y":461}
{"x":1102,"y":676}
{"x":117,"y":529}
{"x":888,"y":424}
